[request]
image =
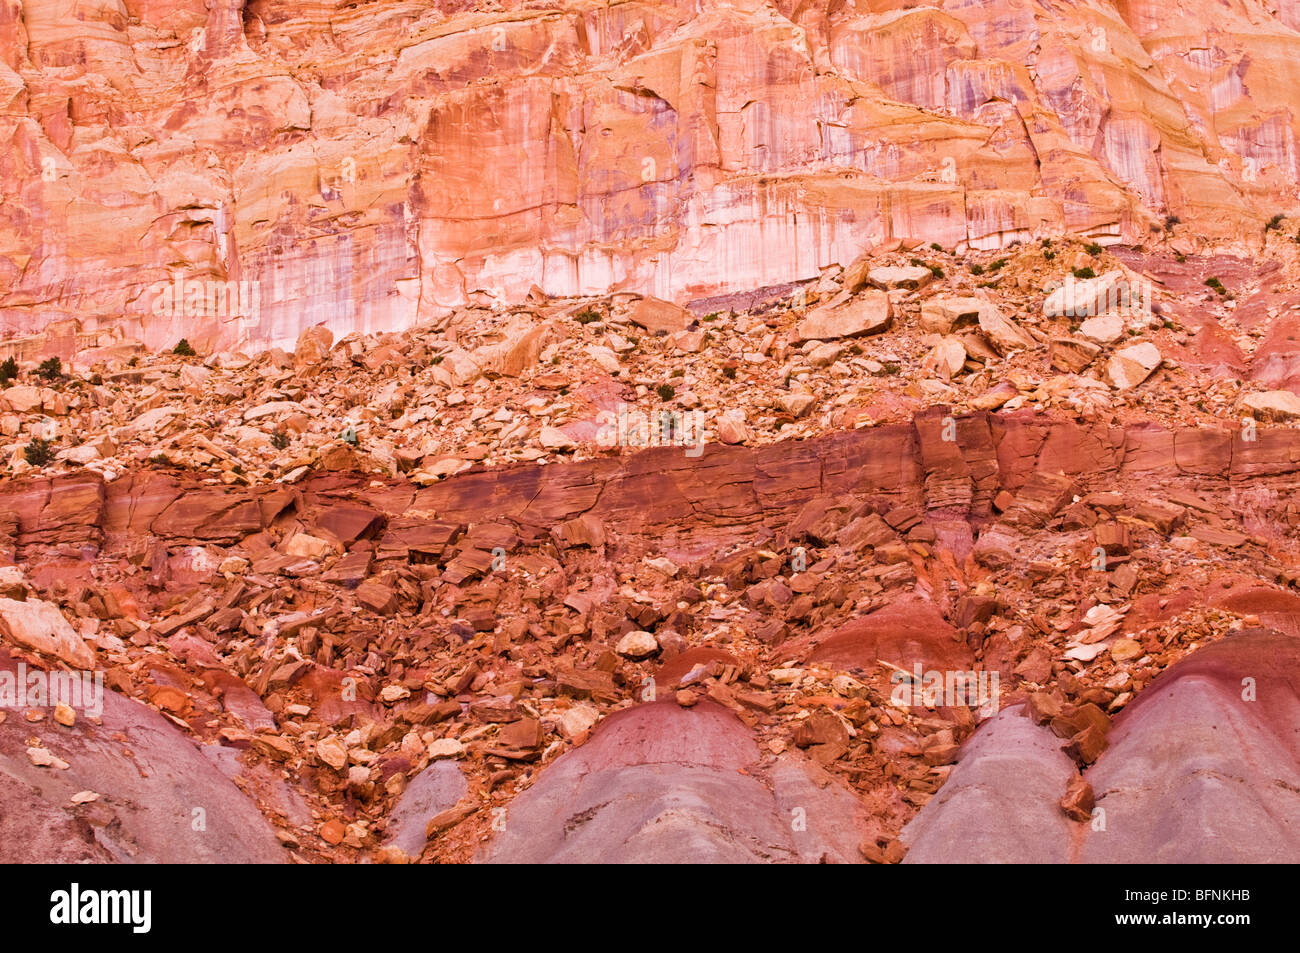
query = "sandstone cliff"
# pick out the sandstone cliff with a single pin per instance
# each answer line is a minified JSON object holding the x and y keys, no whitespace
{"x":368,"y":166}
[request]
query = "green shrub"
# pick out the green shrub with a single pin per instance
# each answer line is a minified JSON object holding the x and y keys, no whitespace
{"x":39,"y":452}
{"x":666,"y":392}
{"x":51,"y":369}
{"x":183,"y":348}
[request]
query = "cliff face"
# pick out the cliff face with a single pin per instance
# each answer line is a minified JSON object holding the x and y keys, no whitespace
{"x":371,"y":165}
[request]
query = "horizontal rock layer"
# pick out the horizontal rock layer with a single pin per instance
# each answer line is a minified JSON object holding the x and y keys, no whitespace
{"x":723,"y":488}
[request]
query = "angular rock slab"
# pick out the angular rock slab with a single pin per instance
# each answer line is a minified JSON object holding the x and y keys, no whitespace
{"x":150,"y":779}
{"x":870,"y":313}
{"x":662,"y":784}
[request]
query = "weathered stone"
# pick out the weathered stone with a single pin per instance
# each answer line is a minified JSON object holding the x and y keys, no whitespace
{"x":910,"y":277}
{"x":1279,"y":405}
{"x":40,"y":626}
{"x":1131,"y":366}
{"x":944,"y":315}
{"x":869,"y":313}
{"x":654,"y":315}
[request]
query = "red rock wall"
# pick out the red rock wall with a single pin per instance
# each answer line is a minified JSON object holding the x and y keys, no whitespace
{"x":367,"y":166}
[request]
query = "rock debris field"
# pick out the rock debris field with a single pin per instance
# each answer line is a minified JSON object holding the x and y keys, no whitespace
{"x":615,"y":580}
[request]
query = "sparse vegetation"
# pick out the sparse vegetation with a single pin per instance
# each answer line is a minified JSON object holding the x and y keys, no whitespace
{"x":666,"y":392}
{"x":1274,"y":224}
{"x":1171,"y":221}
{"x":39,"y":452}
{"x":1093,"y":249}
{"x":936,"y":271}
{"x":729,"y":371}
{"x":587,"y":316}
{"x":977,"y":269}
{"x":51,"y":369}
{"x":1084,"y":273}
{"x":437,"y":359}
{"x":999,"y":264}
{"x":183,"y":348}
{"x":935,"y":246}
{"x":8,"y":371}
{"x":279,"y":440}
{"x":1216,"y":285}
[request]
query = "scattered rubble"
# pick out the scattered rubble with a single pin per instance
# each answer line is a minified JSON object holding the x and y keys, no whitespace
{"x":393,"y":583}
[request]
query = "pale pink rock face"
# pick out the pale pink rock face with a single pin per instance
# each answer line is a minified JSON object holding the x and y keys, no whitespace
{"x":183,"y":178}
